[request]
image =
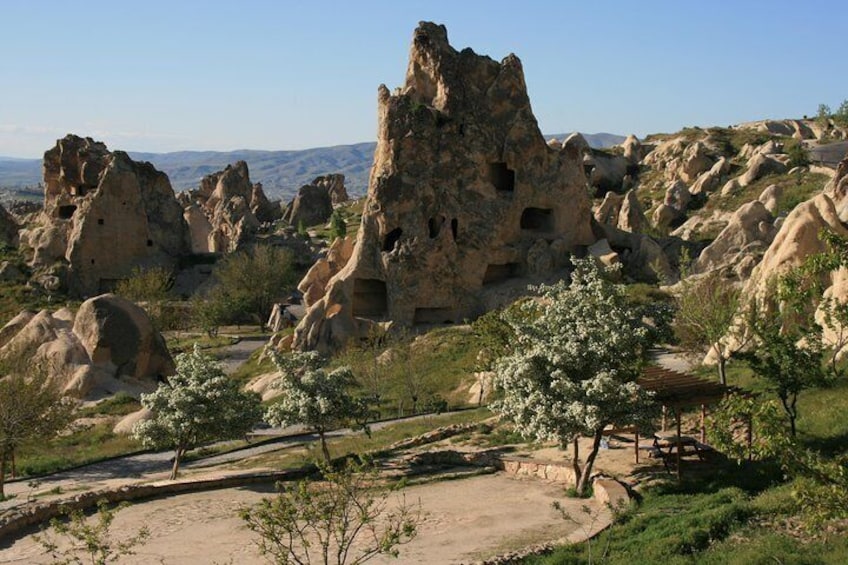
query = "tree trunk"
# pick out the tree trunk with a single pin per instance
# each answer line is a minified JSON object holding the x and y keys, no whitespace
{"x":2,"y":474}
{"x":324,"y":451}
{"x":722,"y":367}
{"x":575,"y":462}
{"x":178,"y":455}
{"x":583,"y":483}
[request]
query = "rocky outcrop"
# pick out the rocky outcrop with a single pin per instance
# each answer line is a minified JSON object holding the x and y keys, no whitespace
{"x":314,"y":283}
{"x":8,"y":228}
{"x":674,"y":205}
{"x":770,"y":197}
{"x":632,"y":149}
{"x":837,"y":188}
{"x":760,"y":165}
{"x":623,"y":212}
{"x":103,"y":215}
{"x":740,"y":245}
{"x":226,"y":211}
{"x":311,"y":206}
{"x":335,"y":186}
{"x":109,"y":345}
{"x":710,"y":180}
{"x":462,"y":188}
{"x":797,"y":239}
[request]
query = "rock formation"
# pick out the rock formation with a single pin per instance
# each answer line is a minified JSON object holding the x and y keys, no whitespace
{"x":335,"y":186}
{"x":465,"y":198}
{"x":109,"y":345}
{"x":226,"y":210}
{"x":8,"y":228}
{"x":103,"y":215}
{"x":311,"y":206}
{"x":623,"y":212}
{"x":741,"y":244}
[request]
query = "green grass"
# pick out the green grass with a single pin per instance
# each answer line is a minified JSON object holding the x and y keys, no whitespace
{"x":177,"y":345}
{"x":796,"y":189}
{"x":253,"y":367}
{"x":120,"y":404}
{"x":78,"y":448}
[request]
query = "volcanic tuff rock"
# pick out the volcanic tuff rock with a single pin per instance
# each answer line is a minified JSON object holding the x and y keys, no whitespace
{"x":226,"y":211}
{"x":312,"y":205}
{"x":462,"y":188}
{"x":109,"y":345}
{"x":624,"y":212}
{"x":103,"y":215}
{"x":8,"y":228}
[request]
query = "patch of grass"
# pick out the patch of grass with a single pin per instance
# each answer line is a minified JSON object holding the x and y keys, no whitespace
{"x":253,"y":367}
{"x":78,"y":448}
{"x":183,"y":344}
{"x":120,"y":404}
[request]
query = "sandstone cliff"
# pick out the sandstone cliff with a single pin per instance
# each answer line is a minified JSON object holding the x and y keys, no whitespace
{"x":465,"y":199}
{"x":103,"y":215}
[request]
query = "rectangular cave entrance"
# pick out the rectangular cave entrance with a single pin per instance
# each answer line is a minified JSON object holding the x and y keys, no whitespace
{"x":502,"y":177}
{"x":67,"y":212}
{"x":496,"y":273}
{"x":370,"y":298}
{"x":434,"y":316}
{"x":537,"y":219}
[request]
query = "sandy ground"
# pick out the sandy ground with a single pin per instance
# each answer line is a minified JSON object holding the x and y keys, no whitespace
{"x":461,"y":521}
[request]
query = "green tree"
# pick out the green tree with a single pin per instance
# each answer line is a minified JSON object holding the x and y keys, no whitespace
{"x":197,"y":405}
{"x":705,"y":320}
{"x":787,"y":354}
{"x":840,"y":117}
{"x":252,"y":281}
{"x":578,"y":351}
{"x":313,"y":397}
{"x":89,"y":541}
{"x":344,"y":519}
{"x":338,"y":225}
{"x":151,"y":288}
{"x":31,"y":406}
{"x":746,"y":427}
{"x":798,"y":154}
{"x":823,"y":115}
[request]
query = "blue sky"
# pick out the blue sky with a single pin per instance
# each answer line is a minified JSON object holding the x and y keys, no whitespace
{"x":170,"y":75}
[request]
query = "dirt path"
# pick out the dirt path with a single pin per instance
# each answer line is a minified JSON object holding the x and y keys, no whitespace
{"x":461,"y":521}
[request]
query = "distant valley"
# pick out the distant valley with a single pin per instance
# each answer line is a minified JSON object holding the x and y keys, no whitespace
{"x":280,"y":172}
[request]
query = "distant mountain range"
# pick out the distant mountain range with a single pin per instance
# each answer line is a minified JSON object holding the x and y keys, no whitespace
{"x":280,"y":172}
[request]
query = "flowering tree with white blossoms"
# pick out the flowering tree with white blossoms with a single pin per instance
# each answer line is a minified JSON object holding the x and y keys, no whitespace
{"x":197,"y":405}
{"x":578,"y":351}
{"x":311,"y":396}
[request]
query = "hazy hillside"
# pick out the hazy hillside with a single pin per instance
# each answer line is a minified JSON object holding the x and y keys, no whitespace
{"x":280,"y":172}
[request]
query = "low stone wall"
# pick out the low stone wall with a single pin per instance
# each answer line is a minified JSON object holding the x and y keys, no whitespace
{"x":18,"y":519}
{"x":546,"y":470}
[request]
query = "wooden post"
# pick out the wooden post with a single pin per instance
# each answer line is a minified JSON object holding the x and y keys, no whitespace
{"x":749,"y":436}
{"x":664,"y":413}
{"x":679,"y":442}
{"x":703,"y":423}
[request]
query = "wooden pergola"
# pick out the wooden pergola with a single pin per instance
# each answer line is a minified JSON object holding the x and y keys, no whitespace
{"x":677,"y":391}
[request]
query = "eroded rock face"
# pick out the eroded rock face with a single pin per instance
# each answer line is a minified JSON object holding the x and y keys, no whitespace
{"x":741,"y":244}
{"x":226,"y":210}
{"x":109,"y":345}
{"x":311,"y":206}
{"x":103,"y":215}
{"x":335,"y":185}
{"x":462,"y":188}
{"x":623,"y":212}
{"x":8,"y":228}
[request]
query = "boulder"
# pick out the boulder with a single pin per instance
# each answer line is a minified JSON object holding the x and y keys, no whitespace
{"x":711,"y":179}
{"x":759,"y":166}
{"x":770,"y":197}
{"x":311,"y":206}
{"x":463,"y":186}
{"x":632,"y":149}
{"x":335,"y":186}
{"x":748,"y":234}
{"x":624,"y":212}
{"x":696,"y":161}
{"x":108,"y":346}
{"x":314,"y":283}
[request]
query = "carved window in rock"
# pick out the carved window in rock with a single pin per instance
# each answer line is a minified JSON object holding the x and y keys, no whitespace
{"x":537,"y":219}
{"x":434,"y":316}
{"x":370,"y":298}
{"x":454,"y":228}
{"x":149,"y":243}
{"x":391,"y":239}
{"x":502,"y":177}
{"x":434,"y":226}
{"x":497,"y":273}
{"x":66,"y":212}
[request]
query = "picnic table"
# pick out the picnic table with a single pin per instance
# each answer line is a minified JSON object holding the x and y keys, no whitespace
{"x":665,"y":445}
